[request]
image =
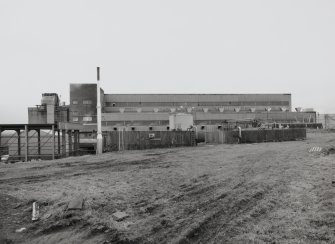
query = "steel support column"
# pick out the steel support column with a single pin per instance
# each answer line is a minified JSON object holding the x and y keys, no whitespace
{"x":70,"y":142}
{"x":38,"y":142}
{"x":63,"y":143}
{"x":18,"y":142}
{"x":26,"y":144}
{"x":76,"y":142}
{"x":53,"y":142}
{"x":58,"y":142}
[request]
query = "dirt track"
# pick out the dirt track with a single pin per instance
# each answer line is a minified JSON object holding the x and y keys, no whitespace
{"x":261,"y":193}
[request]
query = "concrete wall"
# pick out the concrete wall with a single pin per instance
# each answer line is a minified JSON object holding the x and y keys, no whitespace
{"x":83,"y":103}
{"x":38,"y":115}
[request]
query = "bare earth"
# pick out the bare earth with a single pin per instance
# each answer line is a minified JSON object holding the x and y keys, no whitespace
{"x":253,"y":193}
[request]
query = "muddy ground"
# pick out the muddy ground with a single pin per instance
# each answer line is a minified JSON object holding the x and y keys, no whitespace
{"x":253,"y":193}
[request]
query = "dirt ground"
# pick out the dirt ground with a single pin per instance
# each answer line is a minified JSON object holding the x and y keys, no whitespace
{"x":252,"y":193}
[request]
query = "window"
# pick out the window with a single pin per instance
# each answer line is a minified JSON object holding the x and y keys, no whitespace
{"x":75,"y":113}
{"x":87,"y":102}
{"x":75,"y":119}
{"x":74,"y":102}
{"x":87,"y":118}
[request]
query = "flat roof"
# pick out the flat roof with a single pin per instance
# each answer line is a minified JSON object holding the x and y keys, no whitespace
{"x":4,"y":127}
{"x":196,"y":94}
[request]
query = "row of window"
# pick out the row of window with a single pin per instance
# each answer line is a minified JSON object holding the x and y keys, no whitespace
{"x":192,"y":104}
{"x":203,"y":109}
{"x":165,"y":104}
{"x":85,"y":119}
{"x":85,"y":102}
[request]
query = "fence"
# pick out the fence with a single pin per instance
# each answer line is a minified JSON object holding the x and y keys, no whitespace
{"x":133,"y":140}
{"x":253,"y":135}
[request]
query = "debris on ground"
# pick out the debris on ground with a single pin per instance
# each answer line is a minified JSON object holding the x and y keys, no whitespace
{"x":20,"y":230}
{"x":119,"y":216}
{"x":329,"y":150}
{"x":36,"y":211}
{"x":76,"y":203}
{"x":315,"y":149}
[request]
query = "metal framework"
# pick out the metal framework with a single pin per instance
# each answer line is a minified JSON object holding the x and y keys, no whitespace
{"x":39,"y":141}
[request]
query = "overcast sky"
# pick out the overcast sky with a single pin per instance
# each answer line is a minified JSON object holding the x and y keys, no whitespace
{"x":172,"y":46}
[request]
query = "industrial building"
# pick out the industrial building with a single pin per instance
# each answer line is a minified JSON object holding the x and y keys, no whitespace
{"x":56,"y":130}
{"x":152,"y":111}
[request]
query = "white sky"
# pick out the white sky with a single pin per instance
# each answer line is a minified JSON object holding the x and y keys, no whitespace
{"x":172,"y":46}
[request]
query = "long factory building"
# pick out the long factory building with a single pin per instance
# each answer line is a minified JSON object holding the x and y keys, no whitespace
{"x":152,"y":111}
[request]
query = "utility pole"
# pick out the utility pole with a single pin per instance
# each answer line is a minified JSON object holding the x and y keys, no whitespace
{"x":99,"y":134}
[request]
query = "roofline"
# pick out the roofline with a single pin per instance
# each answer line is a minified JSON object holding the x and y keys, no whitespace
{"x":198,"y":94}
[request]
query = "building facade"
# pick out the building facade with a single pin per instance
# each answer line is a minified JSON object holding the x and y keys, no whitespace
{"x":50,"y":111}
{"x":152,"y":111}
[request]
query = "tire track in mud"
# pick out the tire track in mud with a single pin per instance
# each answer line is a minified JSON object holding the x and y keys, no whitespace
{"x":79,"y":169}
{"x":221,"y":215}
{"x":208,"y":211}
